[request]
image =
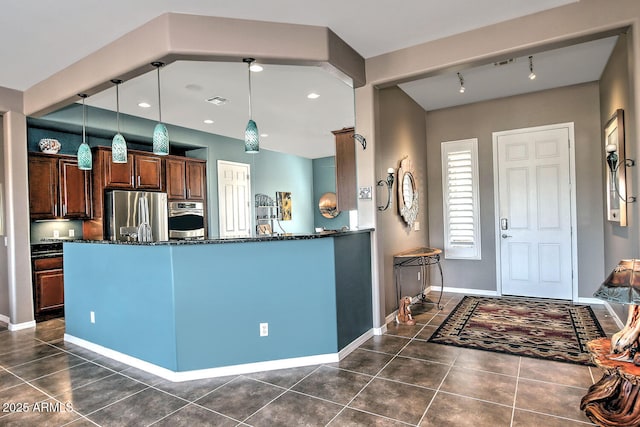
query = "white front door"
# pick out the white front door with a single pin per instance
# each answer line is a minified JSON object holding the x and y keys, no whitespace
{"x":234,"y":196}
{"x":534,"y":210}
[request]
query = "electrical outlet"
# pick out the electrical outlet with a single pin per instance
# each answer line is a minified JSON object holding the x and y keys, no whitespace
{"x":93,"y":317}
{"x":264,"y":329}
{"x":72,"y":232}
{"x":56,"y":234}
{"x":416,"y":226}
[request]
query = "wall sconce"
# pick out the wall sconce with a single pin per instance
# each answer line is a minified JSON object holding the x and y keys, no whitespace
{"x":614,"y":164}
{"x":389,"y":183}
{"x":361,"y":140}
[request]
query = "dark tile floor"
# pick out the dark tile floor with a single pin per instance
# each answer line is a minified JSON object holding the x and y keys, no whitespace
{"x":391,"y":380}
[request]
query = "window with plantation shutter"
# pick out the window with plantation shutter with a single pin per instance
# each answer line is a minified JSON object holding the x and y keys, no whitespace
{"x":461,"y":203}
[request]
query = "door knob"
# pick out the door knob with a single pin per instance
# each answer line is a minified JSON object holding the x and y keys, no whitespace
{"x":504,"y":235}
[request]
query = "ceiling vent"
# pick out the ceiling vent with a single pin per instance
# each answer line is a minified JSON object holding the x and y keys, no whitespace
{"x":505,"y":62}
{"x":217,"y":100}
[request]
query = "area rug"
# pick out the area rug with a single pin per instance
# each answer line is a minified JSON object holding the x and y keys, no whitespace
{"x":545,"y":329}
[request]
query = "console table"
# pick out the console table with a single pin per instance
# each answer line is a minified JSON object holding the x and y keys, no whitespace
{"x":422,"y":257}
{"x":614,"y":401}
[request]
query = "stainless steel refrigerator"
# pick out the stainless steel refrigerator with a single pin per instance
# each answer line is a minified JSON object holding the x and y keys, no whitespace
{"x":138,"y":216}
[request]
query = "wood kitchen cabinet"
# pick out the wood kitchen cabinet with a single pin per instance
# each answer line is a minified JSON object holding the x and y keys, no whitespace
{"x":186,"y":179}
{"x":142,"y":171}
{"x":48,"y":287}
{"x":57,"y":188}
{"x":346,"y":181}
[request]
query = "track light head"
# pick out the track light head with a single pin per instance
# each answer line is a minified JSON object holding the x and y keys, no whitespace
{"x":532,"y":75}
{"x":461,"y":79}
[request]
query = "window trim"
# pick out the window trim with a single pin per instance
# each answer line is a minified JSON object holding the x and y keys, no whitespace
{"x":451,"y":250}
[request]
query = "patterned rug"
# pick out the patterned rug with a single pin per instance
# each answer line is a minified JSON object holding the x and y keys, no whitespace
{"x":546,"y":329}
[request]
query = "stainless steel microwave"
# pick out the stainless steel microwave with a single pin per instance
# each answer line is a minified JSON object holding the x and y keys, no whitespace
{"x":186,"y":220}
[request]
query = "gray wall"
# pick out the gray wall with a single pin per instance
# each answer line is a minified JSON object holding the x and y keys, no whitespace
{"x":578,"y":104}
{"x":620,"y":242}
{"x":4,"y":280}
{"x":401,"y":130}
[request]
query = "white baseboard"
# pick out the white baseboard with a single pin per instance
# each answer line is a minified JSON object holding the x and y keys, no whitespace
{"x":381,"y":330}
{"x":19,"y":326}
{"x":4,"y":319}
{"x":482,"y":292}
{"x":222,"y":371}
{"x":355,"y":344}
{"x":590,"y":301}
{"x":614,"y":315}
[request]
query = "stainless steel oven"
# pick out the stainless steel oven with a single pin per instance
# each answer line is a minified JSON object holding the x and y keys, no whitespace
{"x":186,"y":220}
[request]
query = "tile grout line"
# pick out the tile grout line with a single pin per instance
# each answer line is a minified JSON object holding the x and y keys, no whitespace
{"x":515,"y":394}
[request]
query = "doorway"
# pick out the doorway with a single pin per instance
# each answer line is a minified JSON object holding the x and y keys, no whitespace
{"x":234,"y":197}
{"x":534,"y":187}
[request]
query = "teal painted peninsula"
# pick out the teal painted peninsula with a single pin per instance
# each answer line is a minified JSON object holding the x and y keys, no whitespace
{"x":187,"y":310}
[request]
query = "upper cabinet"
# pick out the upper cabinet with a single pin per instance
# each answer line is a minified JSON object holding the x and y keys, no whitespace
{"x":57,"y":188}
{"x":142,"y":171}
{"x":346,"y":183}
{"x":186,"y":179}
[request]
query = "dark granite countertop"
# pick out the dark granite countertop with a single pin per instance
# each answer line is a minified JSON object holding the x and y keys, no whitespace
{"x":261,"y":238}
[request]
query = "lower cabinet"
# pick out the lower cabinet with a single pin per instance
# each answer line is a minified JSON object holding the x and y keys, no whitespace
{"x":48,"y":288}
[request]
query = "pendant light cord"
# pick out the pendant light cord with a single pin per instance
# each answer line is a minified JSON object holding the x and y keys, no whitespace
{"x":159,"y":102}
{"x":118,"y":107}
{"x":249,"y":70}
{"x":84,"y":121}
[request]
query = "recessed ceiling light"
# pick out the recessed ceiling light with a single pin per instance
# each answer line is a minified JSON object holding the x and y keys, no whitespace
{"x":313,"y":95}
{"x":208,"y":121}
{"x":217,"y":100}
{"x":256,"y":68}
{"x":144,"y":105}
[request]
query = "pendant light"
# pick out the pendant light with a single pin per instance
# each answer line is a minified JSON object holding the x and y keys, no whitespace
{"x":160,"y":133}
{"x":251,"y":143}
{"x":118,"y":145}
{"x":85,"y":160}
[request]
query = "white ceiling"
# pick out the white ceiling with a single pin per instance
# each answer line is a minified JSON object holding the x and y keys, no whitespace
{"x":294,"y":124}
{"x":42,"y":38}
{"x":566,"y":66}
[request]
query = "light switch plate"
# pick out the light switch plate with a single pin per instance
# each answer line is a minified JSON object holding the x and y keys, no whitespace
{"x":364,"y":193}
{"x":416,"y":226}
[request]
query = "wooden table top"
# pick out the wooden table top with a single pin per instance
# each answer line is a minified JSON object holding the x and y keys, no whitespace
{"x":418,"y":252}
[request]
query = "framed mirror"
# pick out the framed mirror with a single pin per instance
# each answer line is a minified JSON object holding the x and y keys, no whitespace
{"x":407,"y":192}
{"x":328,"y":205}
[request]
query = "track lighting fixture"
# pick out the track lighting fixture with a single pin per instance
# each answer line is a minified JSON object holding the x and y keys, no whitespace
{"x":461,"y":82}
{"x":532,"y":75}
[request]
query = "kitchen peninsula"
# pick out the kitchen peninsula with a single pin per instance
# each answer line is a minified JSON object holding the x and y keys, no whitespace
{"x":194,"y":309}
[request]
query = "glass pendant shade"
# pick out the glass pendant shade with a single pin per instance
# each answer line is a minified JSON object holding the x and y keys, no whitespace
{"x":119,"y":149}
{"x":118,"y":144}
{"x":85,"y":160}
{"x":160,"y":140}
{"x":251,"y":143}
{"x":160,"y":133}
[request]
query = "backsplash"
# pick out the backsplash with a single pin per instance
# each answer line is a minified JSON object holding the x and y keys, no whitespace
{"x":63,"y":229}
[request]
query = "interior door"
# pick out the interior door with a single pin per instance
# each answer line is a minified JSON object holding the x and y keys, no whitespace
{"x":534,"y":192}
{"x":234,"y":195}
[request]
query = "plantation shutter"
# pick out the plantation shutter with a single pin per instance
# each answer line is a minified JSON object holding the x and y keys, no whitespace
{"x":461,"y":204}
